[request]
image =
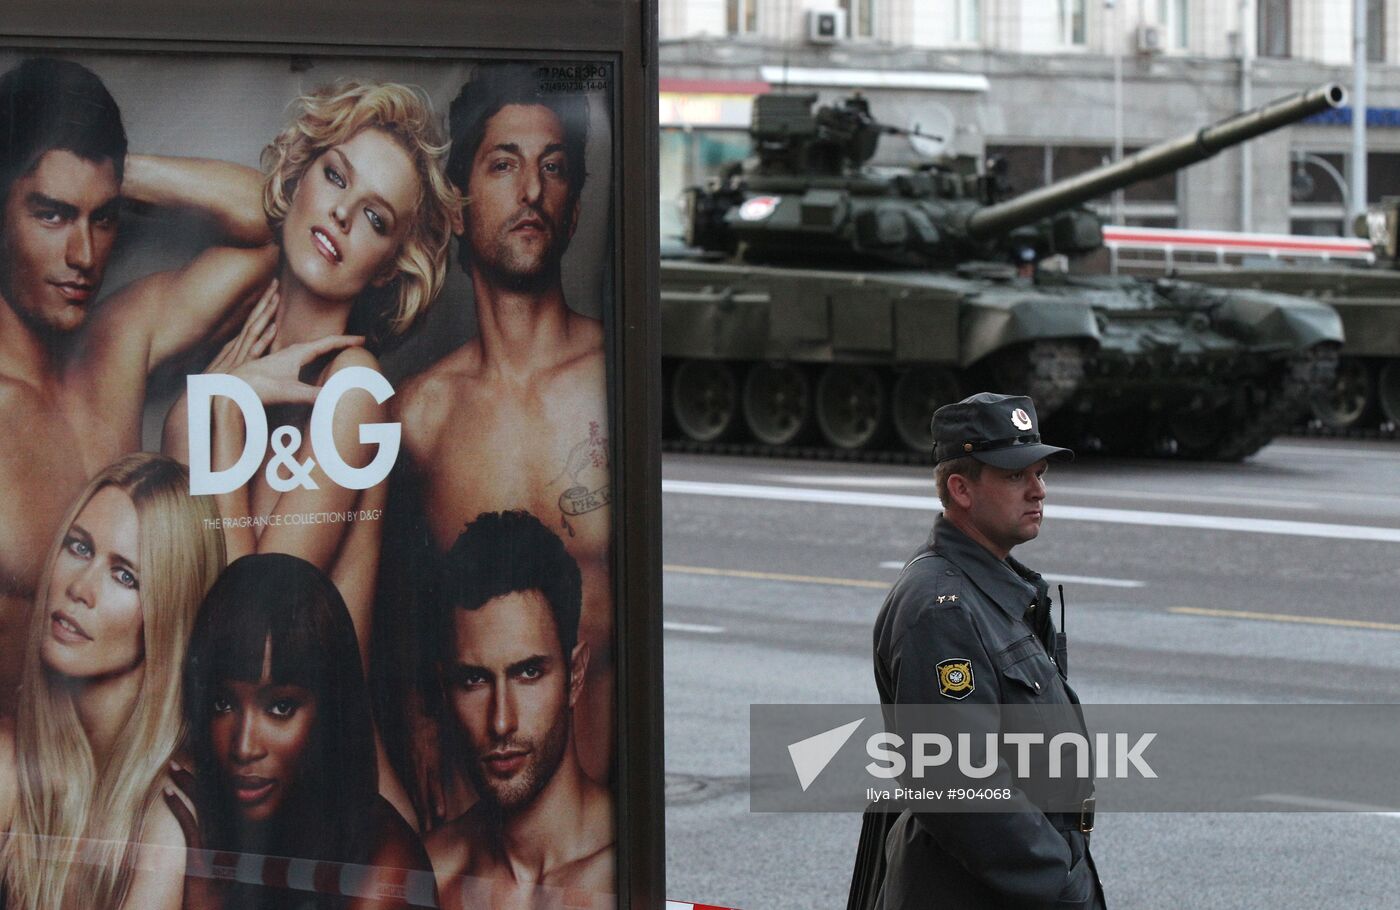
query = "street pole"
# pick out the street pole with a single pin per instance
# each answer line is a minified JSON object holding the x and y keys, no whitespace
{"x":1246,"y":102}
{"x":1116,"y":38}
{"x":1358,"y":112}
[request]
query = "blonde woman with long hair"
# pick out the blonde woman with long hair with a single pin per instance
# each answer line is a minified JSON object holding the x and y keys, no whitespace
{"x":83,"y":764}
{"x":355,"y":194}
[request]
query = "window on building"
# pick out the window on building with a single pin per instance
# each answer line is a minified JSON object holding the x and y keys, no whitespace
{"x":860,"y":17}
{"x":967,"y":25}
{"x":1317,"y":200}
{"x":1382,"y":175}
{"x":1375,"y":31}
{"x":1274,"y":32}
{"x":1073,"y":29}
{"x":1145,"y":203}
{"x":741,"y":16}
{"x":1319,"y":185}
{"x":1172,"y":16}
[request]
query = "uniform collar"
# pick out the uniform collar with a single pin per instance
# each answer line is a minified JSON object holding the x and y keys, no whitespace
{"x":1011,"y":585}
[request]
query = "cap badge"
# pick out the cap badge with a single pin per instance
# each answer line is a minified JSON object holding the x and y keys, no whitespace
{"x":1020,"y":419}
{"x":955,"y":678}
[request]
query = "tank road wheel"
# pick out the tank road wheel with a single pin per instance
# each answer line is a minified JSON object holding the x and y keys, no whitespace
{"x":850,"y":406}
{"x":1050,"y":371}
{"x":705,"y":399}
{"x":1350,"y":401}
{"x":919,"y":392}
{"x":777,"y":402}
{"x":1388,"y":391}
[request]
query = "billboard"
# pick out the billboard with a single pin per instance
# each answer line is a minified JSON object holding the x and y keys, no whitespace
{"x":309,"y":374}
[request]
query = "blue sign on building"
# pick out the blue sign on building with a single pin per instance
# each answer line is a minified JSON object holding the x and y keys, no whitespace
{"x":1382,"y":117}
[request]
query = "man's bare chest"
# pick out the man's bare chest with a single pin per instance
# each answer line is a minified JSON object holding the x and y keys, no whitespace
{"x":43,"y":469}
{"x":557,"y":469}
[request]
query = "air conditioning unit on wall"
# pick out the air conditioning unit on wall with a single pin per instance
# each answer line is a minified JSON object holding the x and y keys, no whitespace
{"x":826,"y":26}
{"x":1149,"y":39}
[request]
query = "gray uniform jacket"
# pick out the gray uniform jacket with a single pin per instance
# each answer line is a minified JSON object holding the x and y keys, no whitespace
{"x":961,"y":625}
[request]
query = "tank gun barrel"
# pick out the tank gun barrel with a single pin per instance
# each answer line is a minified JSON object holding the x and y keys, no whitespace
{"x":1153,"y":161}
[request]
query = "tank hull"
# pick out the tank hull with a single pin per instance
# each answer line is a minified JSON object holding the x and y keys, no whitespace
{"x":859,"y":360}
{"x":1365,"y":396}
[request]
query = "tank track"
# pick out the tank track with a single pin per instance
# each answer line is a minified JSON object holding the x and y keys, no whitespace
{"x":1299,"y":377}
{"x":1050,"y":371}
{"x":1053,"y":375}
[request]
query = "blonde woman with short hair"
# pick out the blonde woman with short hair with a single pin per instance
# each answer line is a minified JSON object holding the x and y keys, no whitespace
{"x":83,"y":764}
{"x":354,"y":192}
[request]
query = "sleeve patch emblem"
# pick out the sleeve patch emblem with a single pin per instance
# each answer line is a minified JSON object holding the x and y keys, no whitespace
{"x":955,"y":678}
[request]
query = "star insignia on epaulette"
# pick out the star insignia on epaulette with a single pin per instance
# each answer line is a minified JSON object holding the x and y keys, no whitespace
{"x":947,"y":598}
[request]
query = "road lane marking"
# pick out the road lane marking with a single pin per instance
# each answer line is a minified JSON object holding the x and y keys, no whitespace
{"x":1325,"y":805}
{"x":1288,"y":617}
{"x":1202,"y":498}
{"x":1330,"y":453}
{"x":778,"y":576}
{"x":851,"y":481}
{"x":1052,"y":576}
{"x":691,"y":627}
{"x":1094,"y":580}
{"x":1064,"y":513}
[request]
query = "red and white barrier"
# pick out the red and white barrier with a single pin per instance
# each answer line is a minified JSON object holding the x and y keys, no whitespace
{"x":1224,"y":242}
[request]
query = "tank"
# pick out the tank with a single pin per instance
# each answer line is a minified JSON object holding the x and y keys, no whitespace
{"x":821,"y":299}
{"x":1365,"y":395}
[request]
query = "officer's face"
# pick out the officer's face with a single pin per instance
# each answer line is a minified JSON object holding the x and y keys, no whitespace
{"x":1006,"y":506}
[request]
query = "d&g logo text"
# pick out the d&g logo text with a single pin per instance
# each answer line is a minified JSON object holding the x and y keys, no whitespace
{"x":284,"y":472}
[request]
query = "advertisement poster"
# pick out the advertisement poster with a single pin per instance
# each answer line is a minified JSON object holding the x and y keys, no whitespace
{"x":305,"y":557}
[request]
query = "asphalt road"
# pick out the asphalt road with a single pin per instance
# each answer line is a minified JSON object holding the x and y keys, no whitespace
{"x":1272,"y":581}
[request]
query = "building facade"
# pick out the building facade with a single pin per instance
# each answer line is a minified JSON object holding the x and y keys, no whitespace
{"x":1036,"y":83}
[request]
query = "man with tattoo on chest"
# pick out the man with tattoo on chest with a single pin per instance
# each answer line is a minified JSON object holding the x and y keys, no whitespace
{"x":73,"y":372}
{"x":516,"y":418}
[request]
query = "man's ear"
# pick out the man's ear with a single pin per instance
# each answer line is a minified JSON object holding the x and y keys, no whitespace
{"x":578,"y":669}
{"x":458,"y":218}
{"x":960,"y":489}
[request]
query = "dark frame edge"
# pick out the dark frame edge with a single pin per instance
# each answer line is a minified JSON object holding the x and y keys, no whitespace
{"x":641,"y":807}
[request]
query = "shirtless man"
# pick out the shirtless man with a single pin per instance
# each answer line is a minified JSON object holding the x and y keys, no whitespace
{"x":512,"y":670}
{"x":73,"y":375}
{"x":517,"y":417}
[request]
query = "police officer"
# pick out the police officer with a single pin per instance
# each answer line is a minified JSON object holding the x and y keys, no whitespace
{"x":968,"y":624}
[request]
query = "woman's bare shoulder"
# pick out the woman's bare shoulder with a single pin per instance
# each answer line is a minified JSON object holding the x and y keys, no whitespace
{"x":158,"y":882}
{"x":162,"y":829}
{"x":354,"y":356}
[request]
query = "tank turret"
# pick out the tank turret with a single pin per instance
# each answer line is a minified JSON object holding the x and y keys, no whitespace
{"x":807,"y":191}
